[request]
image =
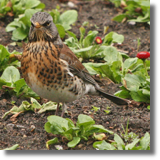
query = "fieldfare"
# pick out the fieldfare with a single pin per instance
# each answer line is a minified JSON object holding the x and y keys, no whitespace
{"x":52,"y":70}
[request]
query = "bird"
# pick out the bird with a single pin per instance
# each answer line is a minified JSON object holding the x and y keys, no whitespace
{"x":52,"y":70}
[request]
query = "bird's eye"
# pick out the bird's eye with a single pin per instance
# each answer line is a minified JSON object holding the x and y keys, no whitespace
{"x":32,"y":24}
{"x":46,"y":23}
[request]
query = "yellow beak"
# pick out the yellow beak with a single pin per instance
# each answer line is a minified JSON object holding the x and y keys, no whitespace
{"x":37,"y":25}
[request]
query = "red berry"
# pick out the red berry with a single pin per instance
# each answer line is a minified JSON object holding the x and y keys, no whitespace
{"x":143,"y":55}
{"x":98,"y":40}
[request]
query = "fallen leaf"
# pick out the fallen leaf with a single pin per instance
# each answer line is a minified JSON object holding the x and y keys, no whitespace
{"x":7,"y":87}
{"x":10,"y":14}
{"x":125,"y":83}
{"x":13,"y":118}
{"x":9,"y":4}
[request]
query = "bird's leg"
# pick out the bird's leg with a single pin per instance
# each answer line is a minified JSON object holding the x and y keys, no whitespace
{"x":57,"y":109}
{"x":64,"y":108}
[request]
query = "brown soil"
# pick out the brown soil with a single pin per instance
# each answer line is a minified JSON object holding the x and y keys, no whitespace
{"x":20,"y":131}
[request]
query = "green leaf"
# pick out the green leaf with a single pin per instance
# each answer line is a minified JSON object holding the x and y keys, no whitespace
{"x":40,"y":6}
{"x":4,"y":57}
{"x":139,"y":96}
{"x":119,"y":141}
{"x":145,"y":92}
{"x":57,"y":129}
{"x":71,"y":34}
{"x":101,"y":129}
{"x":124,"y":55}
{"x":49,"y":106}
{"x":2,"y":82}
{"x":131,"y":145}
{"x":115,"y":69}
{"x":100,"y":53}
{"x":145,"y":141}
{"x":35,"y":103}
{"x":11,"y":74}
{"x":27,"y":92}
{"x":119,"y":18}
{"x":14,"y":147}
{"x":55,"y":15}
{"x":71,"y":43}
{"x":67,"y":18}
{"x":103,"y":145}
{"x":74,"y":142}
{"x":58,"y":121}
{"x":12,"y":26}
{"x":82,"y":33}
{"x":111,"y":71}
{"x":90,"y":67}
{"x":18,"y":85}
{"x":61,"y":30}
{"x":128,"y":63}
{"x":133,"y":81}
{"x":22,"y":108}
{"x":70,"y":123}
{"x":133,"y":64}
{"x":148,"y":107}
{"x":47,"y":127}
{"x":81,"y":50}
{"x":117,"y":38}
{"x":21,"y":6}
{"x":144,"y":18}
{"x":31,"y":4}
{"x":123,"y":94}
{"x":19,"y":34}
{"x":84,"y":120}
{"x":89,"y":38}
{"x":111,"y":55}
{"x":113,"y":37}
{"x":27,"y":106}
{"x":51,"y":141}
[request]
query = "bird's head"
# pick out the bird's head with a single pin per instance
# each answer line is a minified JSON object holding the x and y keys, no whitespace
{"x":42,"y":28}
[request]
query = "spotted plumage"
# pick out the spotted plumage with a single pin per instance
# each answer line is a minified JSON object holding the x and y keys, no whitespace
{"x":52,"y":70}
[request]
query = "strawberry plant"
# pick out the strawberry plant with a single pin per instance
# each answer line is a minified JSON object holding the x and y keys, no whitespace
{"x":131,"y":73}
{"x":84,"y":128}
{"x":118,"y":144}
{"x":136,"y":84}
{"x":11,"y":82}
{"x":17,"y":7}
{"x":90,"y":46}
{"x":135,"y":10}
{"x":5,"y":59}
{"x":33,"y":106}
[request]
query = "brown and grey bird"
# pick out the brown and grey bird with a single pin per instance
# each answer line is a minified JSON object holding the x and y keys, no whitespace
{"x":52,"y":70}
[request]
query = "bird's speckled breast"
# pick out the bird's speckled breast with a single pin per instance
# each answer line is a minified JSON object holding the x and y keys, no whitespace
{"x":48,"y":75}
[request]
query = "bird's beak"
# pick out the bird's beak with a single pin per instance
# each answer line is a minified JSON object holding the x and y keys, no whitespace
{"x":37,"y":25}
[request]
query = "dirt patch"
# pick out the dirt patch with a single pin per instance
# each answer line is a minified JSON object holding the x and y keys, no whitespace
{"x":28,"y":129}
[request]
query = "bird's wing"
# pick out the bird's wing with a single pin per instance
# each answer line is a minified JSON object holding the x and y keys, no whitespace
{"x":75,"y":65}
{"x":79,"y":70}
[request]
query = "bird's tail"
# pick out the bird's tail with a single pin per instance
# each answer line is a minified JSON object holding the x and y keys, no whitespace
{"x":113,"y":98}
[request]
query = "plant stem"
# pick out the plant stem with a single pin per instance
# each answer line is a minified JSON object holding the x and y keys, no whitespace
{"x":144,"y":62}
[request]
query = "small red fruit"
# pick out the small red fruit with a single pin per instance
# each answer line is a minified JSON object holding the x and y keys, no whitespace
{"x":143,"y":55}
{"x":98,"y":40}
